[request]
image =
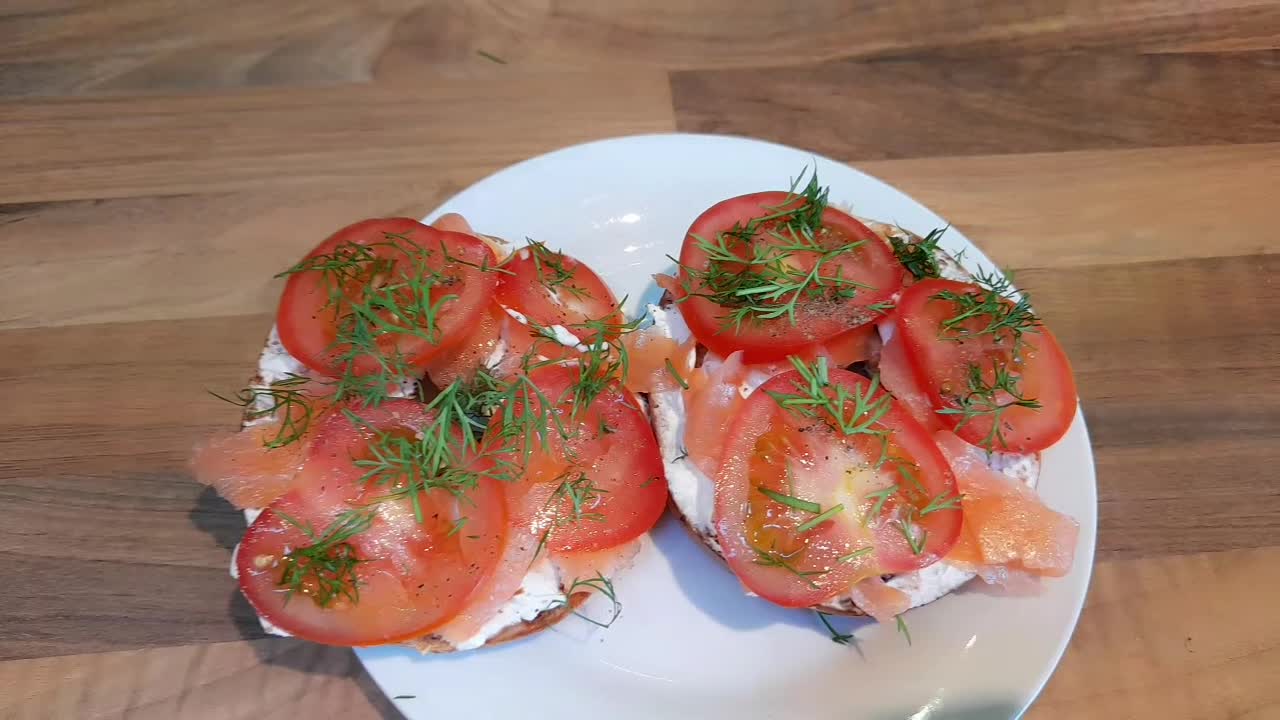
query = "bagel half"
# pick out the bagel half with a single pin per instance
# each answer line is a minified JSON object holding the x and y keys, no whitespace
{"x":691,"y":492}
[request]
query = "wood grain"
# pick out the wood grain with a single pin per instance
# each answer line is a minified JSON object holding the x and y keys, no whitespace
{"x":1071,"y":209}
{"x":177,"y":256}
{"x":157,"y":155}
{"x":1166,"y":383}
{"x":914,"y":108}
{"x":248,"y":680}
{"x":108,"y":419}
{"x":315,"y":136}
{"x":1151,"y":643}
{"x":1191,"y":637}
{"x":186,"y":256}
{"x":145,"y":46}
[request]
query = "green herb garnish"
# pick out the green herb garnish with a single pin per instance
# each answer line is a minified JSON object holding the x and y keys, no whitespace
{"x":325,"y":570}
{"x":284,"y":397}
{"x":920,"y":258}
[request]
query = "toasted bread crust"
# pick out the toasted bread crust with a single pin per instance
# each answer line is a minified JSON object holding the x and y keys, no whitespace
{"x":435,"y":645}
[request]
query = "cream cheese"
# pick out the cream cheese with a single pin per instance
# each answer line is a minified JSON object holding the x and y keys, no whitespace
{"x":539,"y":591}
{"x":694,"y":495}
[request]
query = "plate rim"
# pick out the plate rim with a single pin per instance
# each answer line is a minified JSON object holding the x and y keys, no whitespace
{"x":1089,"y":548}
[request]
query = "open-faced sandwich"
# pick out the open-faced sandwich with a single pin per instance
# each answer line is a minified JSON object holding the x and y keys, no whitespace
{"x":847,"y":417}
{"x":438,"y":448}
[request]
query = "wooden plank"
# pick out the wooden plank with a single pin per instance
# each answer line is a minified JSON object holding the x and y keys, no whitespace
{"x":179,"y":256}
{"x":212,"y":254}
{"x":1101,"y":207}
{"x":349,"y":135}
{"x":931,"y":107}
{"x":147,"y":45}
{"x":1151,"y":643}
{"x":1182,"y":395}
{"x":1190,"y":637}
{"x":108,"y":416}
{"x":245,"y":680}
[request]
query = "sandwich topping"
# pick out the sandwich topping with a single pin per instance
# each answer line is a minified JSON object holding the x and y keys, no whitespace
{"x":448,"y":441}
{"x":855,"y":468}
{"x":451,"y":423}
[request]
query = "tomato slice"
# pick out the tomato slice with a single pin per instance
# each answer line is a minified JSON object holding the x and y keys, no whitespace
{"x":969,"y":369}
{"x":851,"y":346}
{"x":598,"y":480}
{"x":472,"y":351}
{"x":551,"y":288}
{"x":898,"y":376}
{"x":846,"y":285}
{"x":805,"y":510}
{"x":336,"y":560}
{"x":407,"y":291}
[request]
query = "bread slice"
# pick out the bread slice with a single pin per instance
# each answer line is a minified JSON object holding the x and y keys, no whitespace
{"x":924,"y":586}
{"x":275,"y":364}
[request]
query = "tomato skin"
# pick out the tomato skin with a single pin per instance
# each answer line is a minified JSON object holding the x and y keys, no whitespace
{"x":612,"y":445}
{"x":873,"y":263}
{"x":771,"y":447}
{"x":941,"y":367}
{"x":532,"y":286}
{"x":307,"y":323}
{"x":472,"y":351}
{"x":411,"y":576}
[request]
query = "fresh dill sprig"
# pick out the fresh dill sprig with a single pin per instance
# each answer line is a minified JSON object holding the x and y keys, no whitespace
{"x":989,"y":398}
{"x":945,"y":500}
{"x":881,"y":497}
{"x":855,"y":555}
{"x":902,"y":628}
{"x":851,"y":412}
{"x":285,"y":397}
{"x":749,"y":268}
{"x":792,"y":502}
{"x":822,"y":517}
{"x":599,"y":584}
{"x":993,"y":308}
{"x":552,"y":273}
{"x":376,"y":293}
{"x":671,"y":369}
{"x":770,"y":558}
{"x":908,"y":527}
{"x":920,"y":258}
{"x":325,"y":570}
{"x":836,"y":637}
{"x":433,"y":458}
{"x":582,"y":494}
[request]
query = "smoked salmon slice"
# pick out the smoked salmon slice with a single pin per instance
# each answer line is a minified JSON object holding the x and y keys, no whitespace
{"x":1009,"y":534}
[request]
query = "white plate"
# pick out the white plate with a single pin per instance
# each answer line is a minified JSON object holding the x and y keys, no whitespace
{"x":689,"y":643}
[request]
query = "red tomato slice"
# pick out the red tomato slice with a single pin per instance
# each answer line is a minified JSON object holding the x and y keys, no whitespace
{"x":819,"y":316}
{"x":551,"y":288}
{"x":798,"y":506}
{"x":396,"y":254}
{"x":472,"y":351}
{"x":946,"y":360}
{"x":599,"y":483}
{"x":393,"y":579}
{"x":851,"y":346}
{"x":898,"y":376}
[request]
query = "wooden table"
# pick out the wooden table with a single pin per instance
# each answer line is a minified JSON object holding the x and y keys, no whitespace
{"x":159,"y":160}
